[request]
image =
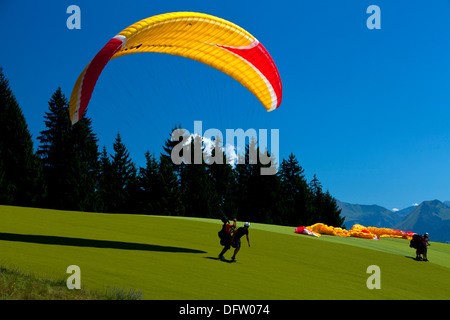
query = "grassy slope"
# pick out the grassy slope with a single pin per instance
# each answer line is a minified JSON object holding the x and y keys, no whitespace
{"x":175,"y":258}
{"x":16,"y":285}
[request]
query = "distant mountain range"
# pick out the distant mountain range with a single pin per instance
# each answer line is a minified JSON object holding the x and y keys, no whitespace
{"x":429,"y":216}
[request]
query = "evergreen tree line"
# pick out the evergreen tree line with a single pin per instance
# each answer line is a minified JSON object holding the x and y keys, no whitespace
{"x":69,"y":172}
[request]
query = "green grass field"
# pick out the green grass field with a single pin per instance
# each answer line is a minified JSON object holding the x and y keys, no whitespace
{"x":176,"y":258}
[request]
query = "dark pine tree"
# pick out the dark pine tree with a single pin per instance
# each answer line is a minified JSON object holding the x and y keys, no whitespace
{"x":149,"y":182}
{"x":104,"y":183}
{"x":323,"y":206}
{"x":295,"y":192}
{"x":331,"y":211}
{"x":69,"y":156}
{"x":182,"y":151}
{"x":223,"y":179}
{"x":170,"y":202}
{"x":199,"y":196}
{"x":21,"y":180}
{"x":124,"y":179}
{"x":246,"y":177}
{"x":173,"y":175}
{"x":270,"y":205}
{"x":86,"y":166}
{"x":315,"y":203}
{"x":259,"y":195}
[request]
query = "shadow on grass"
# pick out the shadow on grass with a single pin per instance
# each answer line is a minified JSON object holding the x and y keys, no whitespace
{"x":79,"y":242}
{"x":224,"y":260}
{"x":414,"y":258}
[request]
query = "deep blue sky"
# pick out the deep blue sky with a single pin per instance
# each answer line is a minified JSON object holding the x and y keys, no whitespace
{"x":365,"y":110}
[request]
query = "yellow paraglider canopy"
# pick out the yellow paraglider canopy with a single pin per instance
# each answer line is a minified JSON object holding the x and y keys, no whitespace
{"x":201,"y":37}
{"x":360,"y":231}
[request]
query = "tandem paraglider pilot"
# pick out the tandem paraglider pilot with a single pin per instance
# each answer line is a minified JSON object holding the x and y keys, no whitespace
{"x":231,"y":237}
{"x":236,"y":239}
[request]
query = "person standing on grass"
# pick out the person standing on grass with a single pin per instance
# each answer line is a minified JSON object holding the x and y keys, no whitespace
{"x":236,"y":239}
{"x":425,"y":244}
{"x":225,"y":240}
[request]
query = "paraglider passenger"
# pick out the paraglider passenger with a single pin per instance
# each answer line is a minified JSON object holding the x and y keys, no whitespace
{"x":225,"y":238}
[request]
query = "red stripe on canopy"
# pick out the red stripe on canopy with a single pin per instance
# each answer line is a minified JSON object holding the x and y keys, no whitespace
{"x":93,"y":72}
{"x":259,"y":57}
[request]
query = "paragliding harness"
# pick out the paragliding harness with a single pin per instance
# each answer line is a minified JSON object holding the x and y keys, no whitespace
{"x":416,"y":241}
{"x":225,"y":237}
